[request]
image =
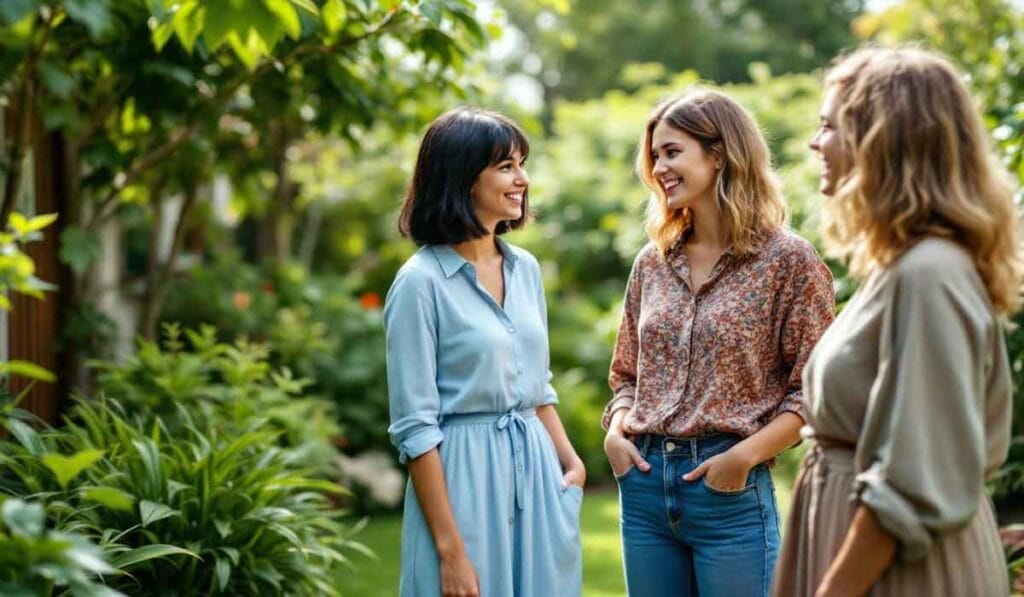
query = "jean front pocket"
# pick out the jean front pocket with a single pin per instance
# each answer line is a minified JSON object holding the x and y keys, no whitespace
{"x":751,"y":484}
{"x":622,"y":477}
{"x":727,"y":492}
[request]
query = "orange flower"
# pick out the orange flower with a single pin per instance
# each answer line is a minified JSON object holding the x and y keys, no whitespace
{"x":241,"y":300}
{"x":369,"y":301}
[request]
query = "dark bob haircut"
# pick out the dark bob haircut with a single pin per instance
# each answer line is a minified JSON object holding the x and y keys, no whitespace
{"x":457,"y":147}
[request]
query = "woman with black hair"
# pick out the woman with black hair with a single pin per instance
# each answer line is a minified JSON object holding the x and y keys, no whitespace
{"x":493,"y":503}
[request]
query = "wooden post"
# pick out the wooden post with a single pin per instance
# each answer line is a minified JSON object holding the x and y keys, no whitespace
{"x":33,"y":324}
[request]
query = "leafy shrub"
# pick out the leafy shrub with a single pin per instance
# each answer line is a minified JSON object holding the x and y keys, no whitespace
{"x":195,"y":476}
{"x":221,"y":387}
{"x":198,"y":512}
{"x":316,"y":326}
{"x":34,"y":560}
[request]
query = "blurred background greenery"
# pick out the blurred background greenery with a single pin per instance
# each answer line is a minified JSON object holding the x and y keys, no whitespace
{"x":239,"y":164}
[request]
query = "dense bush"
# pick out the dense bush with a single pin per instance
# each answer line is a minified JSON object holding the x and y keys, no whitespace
{"x":188,"y":476}
{"x":37,"y":561}
{"x":315,"y":326}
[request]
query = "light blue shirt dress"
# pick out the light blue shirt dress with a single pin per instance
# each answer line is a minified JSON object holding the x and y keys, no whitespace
{"x":465,"y":376}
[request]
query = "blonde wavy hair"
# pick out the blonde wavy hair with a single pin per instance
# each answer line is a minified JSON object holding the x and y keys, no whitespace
{"x":746,"y":189}
{"x":921,"y":165}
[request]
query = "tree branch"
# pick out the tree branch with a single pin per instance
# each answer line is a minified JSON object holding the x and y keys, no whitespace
{"x":108,"y":205}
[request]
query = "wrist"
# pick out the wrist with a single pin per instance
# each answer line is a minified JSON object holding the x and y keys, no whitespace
{"x":449,"y":548}
{"x":618,"y":417}
{"x":746,"y":454}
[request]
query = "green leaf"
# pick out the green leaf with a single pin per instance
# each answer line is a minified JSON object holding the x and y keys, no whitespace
{"x":42,"y":221}
{"x":27,"y":369}
{"x":94,"y":14}
{"x":149,"y":552}
{"x":12,"y":11}
{"x":78,"y":248}
{"x":334,"y":15}
{"x":23,"y":518}
{"x":188,"y":24}
{"x":59,"y":82}
{"x":18,"y":224}
{"x":66,"y":468}
{"x":88,"y":556}
{"x":287,"y":18}
{"x":111,"y":497}
{"x":431,"y":11}
{"x":223,"y":570}
{"x":26,"y":436}
{"x":151,"y":512}
{"x":307,"y":6}
{"x":218,"y":23}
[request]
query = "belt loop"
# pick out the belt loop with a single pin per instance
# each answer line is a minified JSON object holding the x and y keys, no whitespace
{"x":693,"y":449}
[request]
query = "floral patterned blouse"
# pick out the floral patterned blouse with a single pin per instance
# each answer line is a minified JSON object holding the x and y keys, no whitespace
{"x":729,"y":358}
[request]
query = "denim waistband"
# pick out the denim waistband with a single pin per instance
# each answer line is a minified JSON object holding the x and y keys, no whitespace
{"x":693,"y":447}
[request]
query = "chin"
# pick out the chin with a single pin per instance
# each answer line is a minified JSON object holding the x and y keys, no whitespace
{"x":676,"y":203}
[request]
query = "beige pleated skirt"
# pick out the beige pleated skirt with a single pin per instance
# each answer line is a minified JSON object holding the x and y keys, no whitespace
{"x":964,"y":563}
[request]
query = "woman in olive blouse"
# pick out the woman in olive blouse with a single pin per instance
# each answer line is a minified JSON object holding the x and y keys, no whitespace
{"x":908,"y":393}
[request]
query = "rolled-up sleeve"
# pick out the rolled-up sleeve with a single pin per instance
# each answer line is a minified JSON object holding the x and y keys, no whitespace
{"x":809,"y":312}
{"x":922,"y":450}
{"x":410,"y":326}
{"x":623,"y":371}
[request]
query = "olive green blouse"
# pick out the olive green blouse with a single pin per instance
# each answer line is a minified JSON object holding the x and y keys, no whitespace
{"x":914,"y":373}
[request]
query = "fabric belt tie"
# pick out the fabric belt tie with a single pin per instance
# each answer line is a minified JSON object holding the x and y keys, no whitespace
{"x":514,"y":423}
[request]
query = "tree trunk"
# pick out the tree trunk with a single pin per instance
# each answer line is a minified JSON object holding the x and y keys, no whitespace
{"x":275,"y":228}
{"x":158,"y":275}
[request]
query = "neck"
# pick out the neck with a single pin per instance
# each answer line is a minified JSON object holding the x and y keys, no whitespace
{"x":478,"y":249}
{"x":707,"y":225}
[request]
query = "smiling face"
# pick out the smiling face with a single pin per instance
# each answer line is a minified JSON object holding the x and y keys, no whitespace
{"x":685,"y":171}
{"x":835,"y":162}
{"x":500,"y":190}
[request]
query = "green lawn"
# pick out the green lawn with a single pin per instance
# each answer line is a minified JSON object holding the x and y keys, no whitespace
{"x":602,"y":555}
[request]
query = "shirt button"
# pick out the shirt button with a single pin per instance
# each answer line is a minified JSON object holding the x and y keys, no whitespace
{"x":519,"y":370}
{"x":511,"y":519}
{"x":511,"y":329}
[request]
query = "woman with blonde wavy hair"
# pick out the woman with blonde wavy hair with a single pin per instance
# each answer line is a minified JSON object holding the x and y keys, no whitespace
{"x":909,"y":392}
{"x":722,"y":308}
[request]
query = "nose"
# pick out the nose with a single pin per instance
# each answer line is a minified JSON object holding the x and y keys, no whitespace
{"x":659,"y":167}
{"x":522,"y":178}
{"x":814,"y":143}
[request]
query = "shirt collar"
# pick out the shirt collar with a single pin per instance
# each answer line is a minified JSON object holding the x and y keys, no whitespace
{"x":451,"y":262}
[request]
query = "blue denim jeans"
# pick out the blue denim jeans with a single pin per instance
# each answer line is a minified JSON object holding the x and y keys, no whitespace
{"x":686,"y":538}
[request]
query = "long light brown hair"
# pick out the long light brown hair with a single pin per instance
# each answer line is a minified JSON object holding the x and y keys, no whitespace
{"x":746,"y":190}
{"x":921,"y":166}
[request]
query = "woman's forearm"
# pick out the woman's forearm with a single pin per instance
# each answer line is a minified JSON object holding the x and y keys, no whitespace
{"x":567,"y":456}
{"x":427,"y":476}
{"x":782,"y":432}
{"x":866,"y":552}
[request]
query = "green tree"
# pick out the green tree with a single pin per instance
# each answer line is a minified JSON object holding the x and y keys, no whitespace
{"x":586,"y":47}
{"x":144,"y":101}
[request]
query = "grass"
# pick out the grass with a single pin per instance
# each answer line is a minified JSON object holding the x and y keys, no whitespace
{"x":602,"y":553}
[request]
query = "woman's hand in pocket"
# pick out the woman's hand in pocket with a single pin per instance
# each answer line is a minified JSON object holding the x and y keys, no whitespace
{"x":725,"y":472}
{"x":575,"y":474}
{"x":623,"y":454}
